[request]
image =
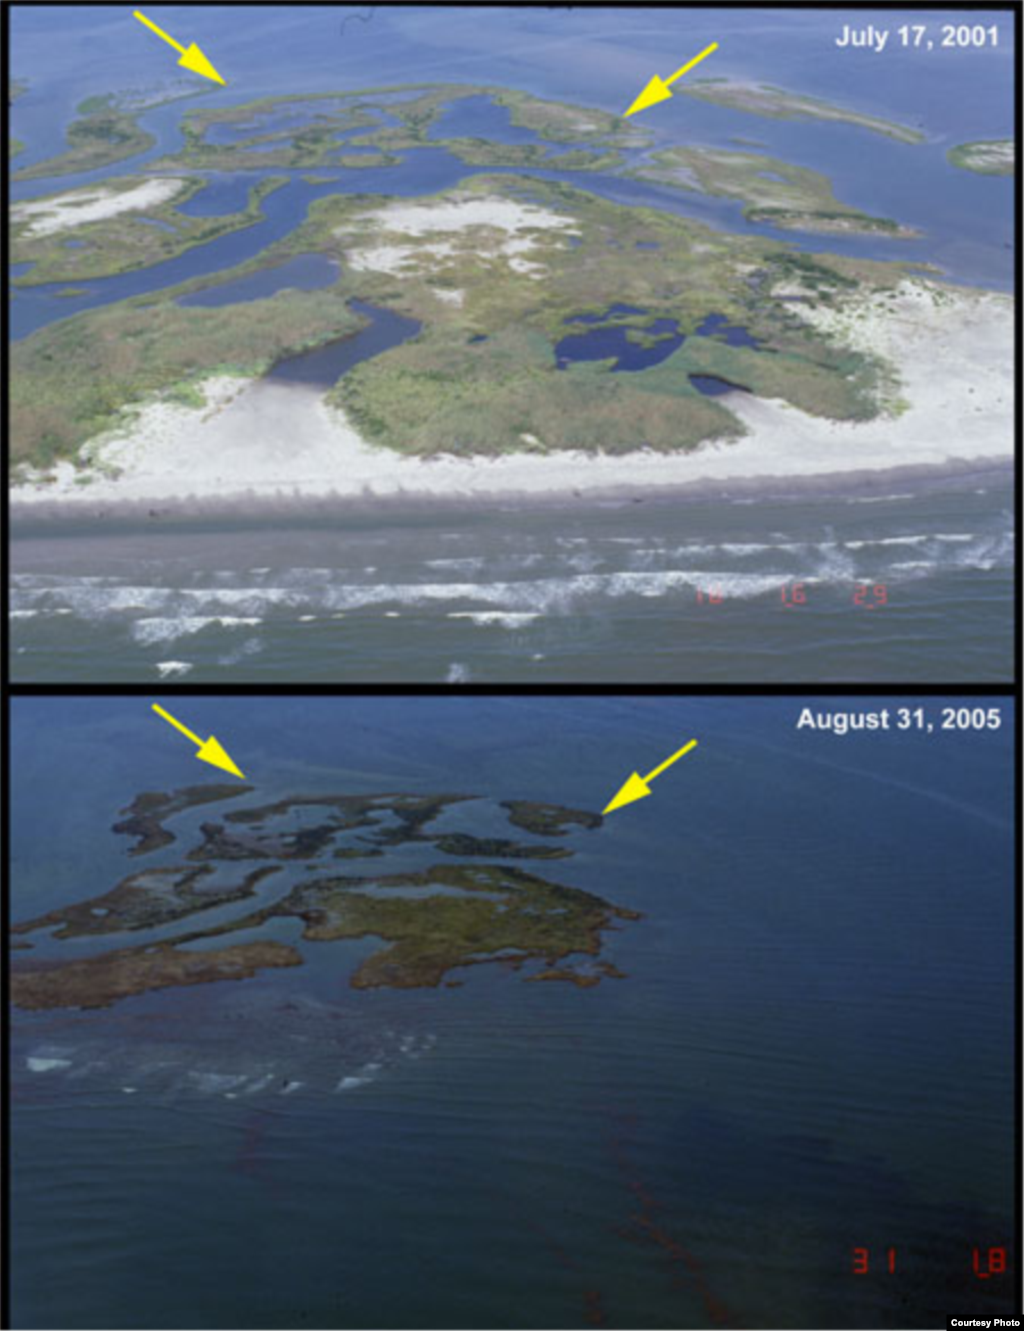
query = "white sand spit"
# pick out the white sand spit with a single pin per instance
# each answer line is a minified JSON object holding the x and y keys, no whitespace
{"x":488,"y":226}
{"x":79,"y":206}
{"x":951,"y":351}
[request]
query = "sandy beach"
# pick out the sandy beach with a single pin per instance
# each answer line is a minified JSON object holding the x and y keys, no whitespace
{"x":77,"y":207}
{"x":951,"y":352}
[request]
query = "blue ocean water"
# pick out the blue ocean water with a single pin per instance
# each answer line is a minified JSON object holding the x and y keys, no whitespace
{"x":811,"y":1052}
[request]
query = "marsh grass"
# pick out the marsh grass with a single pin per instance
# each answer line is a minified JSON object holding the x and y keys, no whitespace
{"x":71,"y":380}
{"x":124,"y":242}
{"x":103,"y":135}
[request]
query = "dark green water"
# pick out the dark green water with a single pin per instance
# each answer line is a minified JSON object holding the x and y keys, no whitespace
{"x":812,"y":1051}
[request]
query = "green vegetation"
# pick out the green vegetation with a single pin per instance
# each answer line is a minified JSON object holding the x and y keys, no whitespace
{"x":128,"y":239}
{"x":15,"y":146}
{"x":520,"y":914}
{"x":559,"y":122}
{"x":315,"y":143}
{"x":99,"y":981}
{"x":431,"y":922}
{"x":147,"y":813}
{"x":71,"y":380}
{"x":185,"y":395}
{"x":790,"y":197}
{"x":149,"y":95}
{"x":442,"y":392}
{"x":481,"y":377}
{"x":762,"y":99}
{"x":460,"y":843}
{"x":357,"y":161}
{"x":348,"y":812}
{"x":484,"y":152}
{"x":98,"y":105}
{"x":102,"y":136}
{"x":437,"y":395}
{"x":548,"y":819}
{"x":987,"y":157}
{"x":145,"y":900}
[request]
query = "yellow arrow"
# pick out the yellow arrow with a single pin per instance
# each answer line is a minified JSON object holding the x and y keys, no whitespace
{"x":210,"y":751}
{"x":638,"y":787}
{"x":657,"y":90}
{"x":192,"y":59}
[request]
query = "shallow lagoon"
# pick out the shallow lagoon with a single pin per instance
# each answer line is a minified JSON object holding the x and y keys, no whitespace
{"x":304,"y":272}
{"x":612,"y":340}
{"x":323,"y":366}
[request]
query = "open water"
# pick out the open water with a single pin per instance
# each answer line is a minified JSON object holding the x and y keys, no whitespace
{"x":898,"y":587}
{"x":811,"y":1052}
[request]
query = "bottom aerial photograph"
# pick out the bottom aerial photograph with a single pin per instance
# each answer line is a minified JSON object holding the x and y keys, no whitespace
{"x":470,"y":1011}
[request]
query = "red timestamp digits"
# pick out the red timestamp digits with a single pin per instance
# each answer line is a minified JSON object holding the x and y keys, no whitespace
{"x":793,"y":593}
{"x":994,"y":1260}
{"x":986,"y":1262}
{"x":871,"y":595}
{"x":862,"y":1260}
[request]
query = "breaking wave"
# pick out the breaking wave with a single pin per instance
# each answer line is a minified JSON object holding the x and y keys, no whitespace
{"x":237,"y":601}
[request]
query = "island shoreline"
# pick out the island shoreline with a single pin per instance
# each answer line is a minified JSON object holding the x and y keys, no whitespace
{"x":244,"y":510}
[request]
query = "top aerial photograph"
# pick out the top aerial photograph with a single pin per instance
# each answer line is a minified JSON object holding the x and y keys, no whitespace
{"x":513,"y":345}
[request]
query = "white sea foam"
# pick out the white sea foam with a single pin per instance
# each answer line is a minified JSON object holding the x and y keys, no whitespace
{"x":149,"y":631}
{"x":470,"y":564}
{"x":251,"y":647}
{"x":889,"y":540}
{"x":173,"y":669}
{"x":350,"y":1083}
{"x":37,"y":1064}
{"x":258,"y":1084}
{"x":160,"y":615}
{"x":507,"y":620}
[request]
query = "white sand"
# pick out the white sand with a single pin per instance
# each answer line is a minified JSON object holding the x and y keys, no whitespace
{"x":449,"y":297}
{"x":952,"y":350}
{"x":499,"y":227}
{"x":63,"y":211}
